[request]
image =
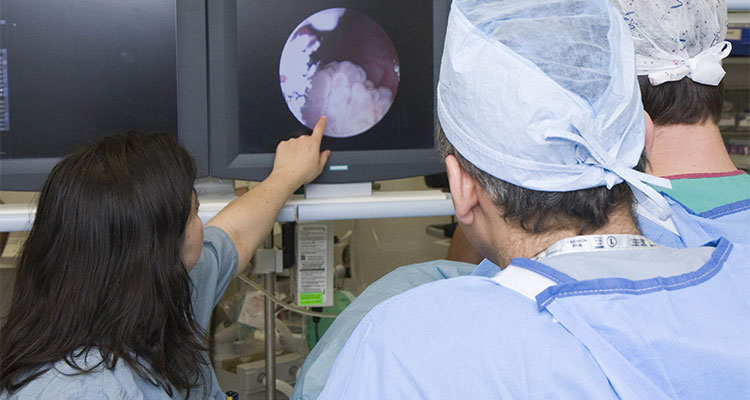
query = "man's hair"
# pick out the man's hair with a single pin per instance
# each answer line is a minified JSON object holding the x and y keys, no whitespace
{"x":682,"y":102}
{"x":102,"y":271}
{"x":541,"y":212}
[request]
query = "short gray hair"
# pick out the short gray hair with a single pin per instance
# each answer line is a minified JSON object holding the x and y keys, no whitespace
{"x":540,"y":212}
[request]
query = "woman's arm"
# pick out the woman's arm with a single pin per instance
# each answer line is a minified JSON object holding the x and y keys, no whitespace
{"x":249,"y":218}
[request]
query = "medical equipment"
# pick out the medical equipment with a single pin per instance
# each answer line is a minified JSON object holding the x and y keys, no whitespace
{"x":314,"y":270}
{"x":384,"y":56}
{"x":129,"y":65}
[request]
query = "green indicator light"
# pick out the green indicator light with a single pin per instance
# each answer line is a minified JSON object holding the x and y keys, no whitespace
{"x":309,"y":299}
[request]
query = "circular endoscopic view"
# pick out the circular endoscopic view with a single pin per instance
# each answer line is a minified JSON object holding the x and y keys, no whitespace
{"x":339,"y":63}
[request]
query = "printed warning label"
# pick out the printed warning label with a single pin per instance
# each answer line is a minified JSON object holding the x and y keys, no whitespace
{"x":314,"y":269}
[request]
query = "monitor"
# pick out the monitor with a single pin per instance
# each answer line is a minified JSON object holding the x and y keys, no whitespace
{"x":276,"y":66}
{"x":73,"y":71}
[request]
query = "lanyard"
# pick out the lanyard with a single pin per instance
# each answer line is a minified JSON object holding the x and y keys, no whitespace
{"x":580,"y":244}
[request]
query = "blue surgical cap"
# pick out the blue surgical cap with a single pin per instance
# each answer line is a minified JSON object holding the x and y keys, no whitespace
{"x":543,"y":94}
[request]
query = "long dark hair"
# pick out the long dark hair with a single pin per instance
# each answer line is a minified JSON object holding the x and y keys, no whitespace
{"x":101,"y":269}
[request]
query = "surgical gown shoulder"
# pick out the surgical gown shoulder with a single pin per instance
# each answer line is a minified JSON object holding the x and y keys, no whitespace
{"x":501,"y":346}
{"x":318,"y":363}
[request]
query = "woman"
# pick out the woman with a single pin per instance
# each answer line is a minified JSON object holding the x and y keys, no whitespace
{"x":117,"y":279}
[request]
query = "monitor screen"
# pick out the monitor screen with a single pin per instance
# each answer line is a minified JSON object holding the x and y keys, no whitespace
{"x":368,"y":66}
{"x":74,"y":71}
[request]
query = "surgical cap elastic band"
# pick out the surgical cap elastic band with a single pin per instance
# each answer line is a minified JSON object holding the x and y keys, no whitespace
{"x":704,"y":68}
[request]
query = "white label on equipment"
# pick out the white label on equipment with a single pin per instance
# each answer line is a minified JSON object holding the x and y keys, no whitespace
{"x":312,"y":246}
{"x":312,"y":281}
{"x":314,"y":264}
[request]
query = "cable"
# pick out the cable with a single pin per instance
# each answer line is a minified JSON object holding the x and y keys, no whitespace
{"x":316,"y":321}
{"x":273,"y":298}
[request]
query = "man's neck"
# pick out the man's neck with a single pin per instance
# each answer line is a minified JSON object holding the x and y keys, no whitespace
{"x":688,"y":149}
{"x":517,"y":243}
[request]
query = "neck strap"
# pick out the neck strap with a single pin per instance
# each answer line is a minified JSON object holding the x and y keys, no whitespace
{"x":529,"y":283}
{"x":588,"y":243}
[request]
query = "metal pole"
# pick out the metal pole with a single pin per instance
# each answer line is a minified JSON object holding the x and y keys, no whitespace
{"x":270,"y":327}
{"x":270,"y":279}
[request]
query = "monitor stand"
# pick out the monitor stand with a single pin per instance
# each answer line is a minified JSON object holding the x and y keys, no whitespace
{"x":337,"y":190}
{"x":214,"y":187}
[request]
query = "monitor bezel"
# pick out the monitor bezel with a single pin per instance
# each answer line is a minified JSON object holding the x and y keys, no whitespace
{"x":343,"y":166}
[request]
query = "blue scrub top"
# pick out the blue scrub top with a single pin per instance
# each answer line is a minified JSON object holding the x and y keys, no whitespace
{"x":731,"y":221}
{"x":318,"y":363}
{"x":682,"y":336}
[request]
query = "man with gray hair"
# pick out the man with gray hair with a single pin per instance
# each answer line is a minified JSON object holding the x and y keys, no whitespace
{"x":543,"y":133}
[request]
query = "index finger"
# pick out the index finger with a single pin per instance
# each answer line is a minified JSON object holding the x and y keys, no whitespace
{"x":320,"y":126}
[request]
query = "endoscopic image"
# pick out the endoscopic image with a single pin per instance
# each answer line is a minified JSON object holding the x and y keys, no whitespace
{"x":368,"y":66}
{"x":340,"y":63}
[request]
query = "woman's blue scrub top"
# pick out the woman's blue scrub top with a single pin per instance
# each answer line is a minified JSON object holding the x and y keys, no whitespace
{"x":210,"y":277}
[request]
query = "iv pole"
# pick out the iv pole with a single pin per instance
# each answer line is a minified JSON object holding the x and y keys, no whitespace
{"x":269,"y":279}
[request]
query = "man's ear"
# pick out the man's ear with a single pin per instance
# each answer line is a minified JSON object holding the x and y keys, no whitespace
{"x":463,"y":190}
